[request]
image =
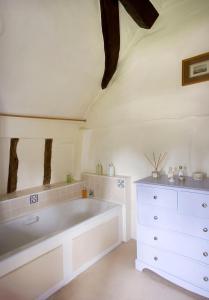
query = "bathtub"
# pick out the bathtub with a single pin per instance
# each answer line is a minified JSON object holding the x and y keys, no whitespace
{"x":43,"y":251}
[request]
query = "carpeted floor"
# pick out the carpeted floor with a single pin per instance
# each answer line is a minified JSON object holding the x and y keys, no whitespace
{"x":114,"y":278}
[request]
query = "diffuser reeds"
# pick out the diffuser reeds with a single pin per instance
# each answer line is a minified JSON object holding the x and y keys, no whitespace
{"x":154,"y":161}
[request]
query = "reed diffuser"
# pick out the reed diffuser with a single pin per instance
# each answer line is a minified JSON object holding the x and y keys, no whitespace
{"x":156,"y":162}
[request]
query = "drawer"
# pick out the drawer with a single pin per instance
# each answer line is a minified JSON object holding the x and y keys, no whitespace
{"x":193,"y":204}
{"x":179,"y":266}
{"x":157,"y":218}
{"x":157,"y":196}
{"x":167,"y":220}
{"x":182,"y":244}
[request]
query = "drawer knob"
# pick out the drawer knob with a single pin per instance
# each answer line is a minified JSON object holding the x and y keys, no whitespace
{"x":204,"y":205}
{"x":155,"y":197}
{"x":155,"y":217}
{"x":155,"y":258}
{"x":155,"y":238}
{"x":205,"y":278}
{"x":205,"y":229}
{"x":205,"y":253}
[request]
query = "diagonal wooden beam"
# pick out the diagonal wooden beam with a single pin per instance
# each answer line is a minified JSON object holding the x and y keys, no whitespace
{"x":111,"y":36}
{"x":142,"y":11}
{"x":13,"y":166}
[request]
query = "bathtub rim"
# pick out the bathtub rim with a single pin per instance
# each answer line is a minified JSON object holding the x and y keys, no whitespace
{"x":10,"y":197}
{"x":38,"y":209}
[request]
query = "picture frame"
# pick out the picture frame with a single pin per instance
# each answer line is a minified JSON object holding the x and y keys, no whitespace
{"x":195,"y":69}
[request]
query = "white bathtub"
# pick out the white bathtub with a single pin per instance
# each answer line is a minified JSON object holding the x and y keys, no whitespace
{"x":22,"y":232}
{"x":57,"y":242}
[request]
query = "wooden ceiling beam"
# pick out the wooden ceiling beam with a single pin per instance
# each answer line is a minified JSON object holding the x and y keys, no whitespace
{"x":142,"y":11}
{"x":111,"y":36}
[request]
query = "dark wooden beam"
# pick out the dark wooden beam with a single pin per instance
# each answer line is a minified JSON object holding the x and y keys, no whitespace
{"x":111,"y":36}
{"x":47,"y":161}
{"x":13,"y":166}
{"x":142,"y":11}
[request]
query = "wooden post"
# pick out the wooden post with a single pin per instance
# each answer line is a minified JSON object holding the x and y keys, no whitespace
{"x":47,"y":161}
{"x":13,"y":166}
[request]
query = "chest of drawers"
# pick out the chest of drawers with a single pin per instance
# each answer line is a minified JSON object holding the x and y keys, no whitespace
{"x":173,"y":231}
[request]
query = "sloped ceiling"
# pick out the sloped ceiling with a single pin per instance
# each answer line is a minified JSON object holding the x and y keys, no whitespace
{"x":52,"y":57}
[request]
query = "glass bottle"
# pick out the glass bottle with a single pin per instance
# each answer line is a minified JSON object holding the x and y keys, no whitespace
{"x":181,"y":173}
{"x":170,"y":174}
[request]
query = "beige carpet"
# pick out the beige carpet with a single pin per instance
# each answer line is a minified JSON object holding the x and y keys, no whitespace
{"x":115,"y":278}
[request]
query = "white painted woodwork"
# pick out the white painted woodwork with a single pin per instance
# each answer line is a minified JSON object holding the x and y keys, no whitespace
{"x":34,"y":278}
{"x":160,"y":197}
{"x":179,"y":243}
{"x":173,"y":234}
{"x":194,"y":204}
{"x":59,"y":250}
{"x":94,"y":241}
{"x":177,"y":265}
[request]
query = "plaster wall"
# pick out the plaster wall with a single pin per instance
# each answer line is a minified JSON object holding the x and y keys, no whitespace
{"x":52,"y":55}
{"x":147,"y":109}
{"x":30,"y":150}
{"x":51,"y":63}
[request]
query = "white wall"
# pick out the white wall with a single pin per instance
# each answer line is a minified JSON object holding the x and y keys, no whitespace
{"x":146,"y":108}
{"x":30,"y":149}
{"x":48,"y":49}
{"x":51,"y":63}
{"x":52,"y":55}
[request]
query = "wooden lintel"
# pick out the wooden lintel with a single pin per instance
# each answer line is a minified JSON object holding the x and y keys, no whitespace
{"x":41,"y":117}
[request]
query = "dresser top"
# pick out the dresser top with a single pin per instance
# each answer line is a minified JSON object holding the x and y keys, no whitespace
{"x":188,"y":183}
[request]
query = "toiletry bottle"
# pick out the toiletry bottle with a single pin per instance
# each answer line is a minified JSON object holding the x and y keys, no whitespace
{"x":111,"y":170}
{"x":100,"y":169}
{"x":97,"y":169}
{"x":69,"y":178}
{"x":91,"y":194}
{"x":181,"y":173}
{"x":170,"y":174}
{"x":84,"y":192}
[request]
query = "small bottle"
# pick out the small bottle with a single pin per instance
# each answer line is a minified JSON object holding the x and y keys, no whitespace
{"x":99,"y":168}
{"x":170,"y":174}
{"x":111,"y":170}
{"x":69,"y":178}
{"x":84,"y":192}
{"x":91,"y":194}
{"x":181,"y":173}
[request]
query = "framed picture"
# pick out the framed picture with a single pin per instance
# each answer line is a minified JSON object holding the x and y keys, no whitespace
{"x":195,"y":69}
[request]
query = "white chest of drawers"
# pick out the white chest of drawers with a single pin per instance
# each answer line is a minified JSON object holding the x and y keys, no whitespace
{"x":173,"y":231}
